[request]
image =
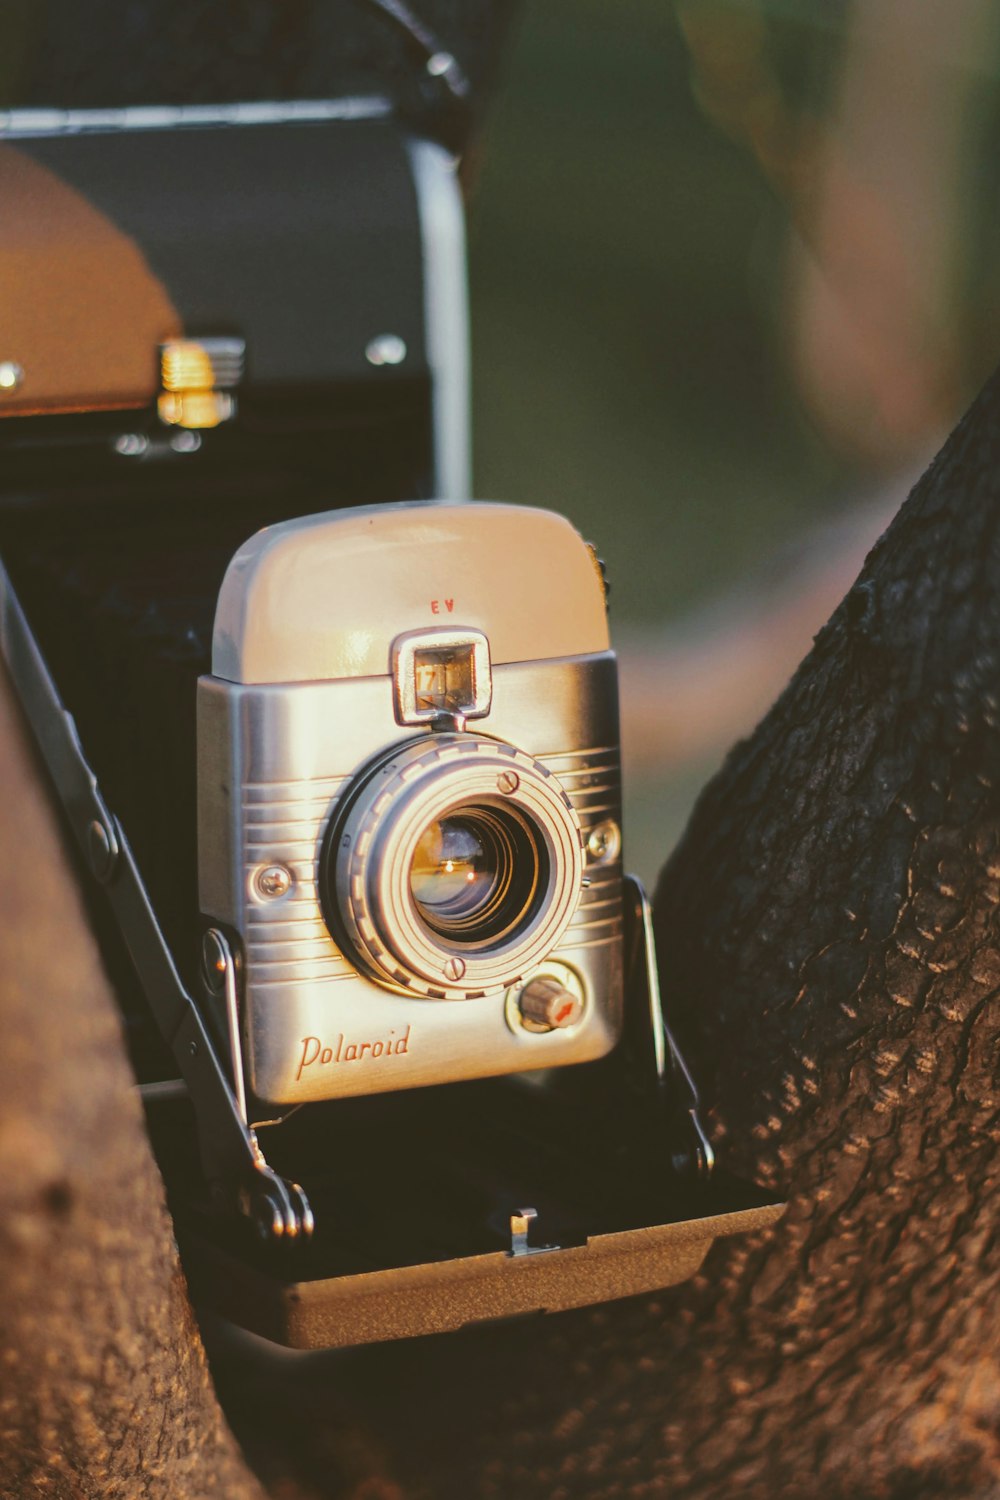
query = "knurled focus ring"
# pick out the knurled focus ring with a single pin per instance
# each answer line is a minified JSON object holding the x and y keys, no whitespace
{"x":428,"y":779}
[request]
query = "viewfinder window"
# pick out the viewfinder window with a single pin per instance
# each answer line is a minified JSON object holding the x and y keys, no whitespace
{"x":444,"y":680}
{"x":440,"y":672}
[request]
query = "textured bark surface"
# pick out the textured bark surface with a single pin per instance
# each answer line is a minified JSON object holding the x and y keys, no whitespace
{"x":830,"y":937}
{"x":104,"y":1389}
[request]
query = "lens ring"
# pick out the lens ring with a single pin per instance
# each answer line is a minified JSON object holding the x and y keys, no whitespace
{"x":374,"y":839}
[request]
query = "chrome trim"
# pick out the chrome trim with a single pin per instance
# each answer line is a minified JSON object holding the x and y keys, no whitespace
{"x":25,"y":123}
{"x":219,"y":976}
{"x":520,"y":1227}
{"x":692,"y":1151}
{"x":446,"y":315}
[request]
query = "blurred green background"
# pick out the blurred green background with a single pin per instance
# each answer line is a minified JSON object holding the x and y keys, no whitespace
{"x":628,"y":369}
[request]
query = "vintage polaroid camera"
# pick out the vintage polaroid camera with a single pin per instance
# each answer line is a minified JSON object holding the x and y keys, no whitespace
{"x":339,"y":749}
{"x":409,"y":799}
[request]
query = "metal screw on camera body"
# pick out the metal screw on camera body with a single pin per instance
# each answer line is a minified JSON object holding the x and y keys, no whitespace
{"x":273,"y":881}
{"x":440,"y":64}
{"x":508,"y":782}
{"x":604,"y":842}
{"x":101,"y":851}
{"x":454,"y":968}
{"x":385,"y":349}
{"x":11,"y":374}
{"x":213,"y":960}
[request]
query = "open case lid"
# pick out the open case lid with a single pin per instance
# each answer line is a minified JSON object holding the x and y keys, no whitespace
{"x":239,"y":272}
{"x":159,"y":169}
{"x":366,"y":1307}
{"x":302,"y":239}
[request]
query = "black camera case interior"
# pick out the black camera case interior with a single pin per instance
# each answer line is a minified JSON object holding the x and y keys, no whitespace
{"x":306,"y":241}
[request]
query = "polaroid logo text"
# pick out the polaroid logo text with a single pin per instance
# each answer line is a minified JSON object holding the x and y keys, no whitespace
{"x":314,"y":1053}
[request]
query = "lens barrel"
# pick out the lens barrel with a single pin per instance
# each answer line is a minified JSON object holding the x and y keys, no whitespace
{"x":452,"y":866}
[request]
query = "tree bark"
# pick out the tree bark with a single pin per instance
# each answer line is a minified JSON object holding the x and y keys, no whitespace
{"x":830,"y":943}
{"x":104,"y":1388}
{"x":830,"y":930}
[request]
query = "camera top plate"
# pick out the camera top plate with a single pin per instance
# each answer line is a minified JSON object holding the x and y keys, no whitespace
{"x":324,"y":597}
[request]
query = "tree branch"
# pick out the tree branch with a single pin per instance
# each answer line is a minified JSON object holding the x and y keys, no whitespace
{"x":105,"y":1390}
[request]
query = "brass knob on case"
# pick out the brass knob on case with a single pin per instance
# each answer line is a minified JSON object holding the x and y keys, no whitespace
{"x":547,"y":1003}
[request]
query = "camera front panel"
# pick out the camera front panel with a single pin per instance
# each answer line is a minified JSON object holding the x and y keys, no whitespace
{"x":277,"y":765}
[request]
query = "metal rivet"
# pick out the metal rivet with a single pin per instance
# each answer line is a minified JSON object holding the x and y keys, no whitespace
{"x":440,"y":64}
{"x":454,"y":968}
{"x":100,"y":850}
{"x":11,"y":375}
{"x":186,"y":442}
{"x":507,"y":782}
{"x":213,"y":960}
{"x":386,"y":349}
{"x":131,"y":444}
{"x":273,"y":881}
{"x":604,"y":842}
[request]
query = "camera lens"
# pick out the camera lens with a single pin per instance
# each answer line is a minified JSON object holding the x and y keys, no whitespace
{"x":453,"y":864}
{"x":475,"y":874}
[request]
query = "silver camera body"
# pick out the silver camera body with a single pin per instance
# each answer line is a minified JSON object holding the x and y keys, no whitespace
{"x":409,"y":802}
